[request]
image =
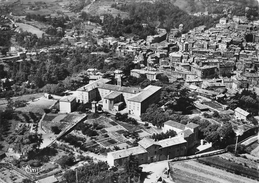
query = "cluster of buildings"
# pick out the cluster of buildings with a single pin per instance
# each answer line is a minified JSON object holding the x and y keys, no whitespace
{"x":112,"y":98}
{"x":149,"y":150}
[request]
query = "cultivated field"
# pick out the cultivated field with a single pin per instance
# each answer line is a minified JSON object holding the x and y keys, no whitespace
{"x":192,"y":171}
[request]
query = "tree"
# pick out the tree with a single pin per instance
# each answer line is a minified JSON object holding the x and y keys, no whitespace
{"x":66,"y":161}
{"x":163,"y":78}
{"x":161,"y":136}
{"x":27,"y":181}
{"x":155,"y":115}
{"x":55,"y":129}
{"x":132,"y":167}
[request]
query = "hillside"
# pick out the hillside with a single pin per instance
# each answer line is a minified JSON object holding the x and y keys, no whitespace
{"x":193,"y":6}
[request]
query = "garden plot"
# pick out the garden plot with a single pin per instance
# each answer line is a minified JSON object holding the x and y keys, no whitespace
{"x":8,"y":175}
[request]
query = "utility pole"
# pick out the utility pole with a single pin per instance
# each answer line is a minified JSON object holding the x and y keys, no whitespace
{"x":236,"y":144}
{"x":76,"y":176}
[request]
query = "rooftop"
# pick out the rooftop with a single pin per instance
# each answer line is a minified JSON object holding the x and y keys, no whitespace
{"x":120,"y":88}
{"x":146,"y":93}
{"x":67,"y":99}
{"x":127,"y":152}
{"x":241,"y":111}
{"x":192,"y":125}
{"x":187,"y":133}
{"x":94,"y":84}
{"x":51,"y":179}
{"x":112,"y":95}
{"x":175,"y":124}
{"x":146,"y":142}
{"x":171,"y":141}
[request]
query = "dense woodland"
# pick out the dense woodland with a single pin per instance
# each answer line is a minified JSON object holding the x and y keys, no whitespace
{"x":164,"y":14}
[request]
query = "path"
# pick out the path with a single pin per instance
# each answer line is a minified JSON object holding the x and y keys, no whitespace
{"x":156,"y":169}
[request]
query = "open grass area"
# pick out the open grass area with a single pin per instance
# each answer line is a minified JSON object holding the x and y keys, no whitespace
{"x":29,"y":28}
{"x":37,"y":105}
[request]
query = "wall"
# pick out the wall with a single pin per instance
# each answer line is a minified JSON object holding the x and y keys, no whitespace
{"x":134,"y":108}
{"x":65,"y":107}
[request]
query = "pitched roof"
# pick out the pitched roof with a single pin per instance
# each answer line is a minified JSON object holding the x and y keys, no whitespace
{"x":120,"y":88}
{"x":112,"y":95}
{"x":146,"y":142}
{"x":175,"y":124}
{"x":67,"y":99}
{"x":171,"y":141}
{"x":187,"y":133}
{"x":241,"y":111}
{"x":146,"y":93}
{"x":192,"y":125}
{"x":94,"y":84}
{"x":127,"y":152}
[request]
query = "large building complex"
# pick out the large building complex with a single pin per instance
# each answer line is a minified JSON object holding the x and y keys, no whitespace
{"x":114,"y":98}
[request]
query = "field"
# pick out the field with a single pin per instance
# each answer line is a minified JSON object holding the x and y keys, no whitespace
{"x":193,"y":171}
{"x":231,"y":166}
{"x":29,"y":28}
{"x":104,"y":7}
{"x":253,"y":149}
{"x":37,"y":105}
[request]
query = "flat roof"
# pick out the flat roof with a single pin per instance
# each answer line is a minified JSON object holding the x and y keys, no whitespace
{"x":146,"y":93}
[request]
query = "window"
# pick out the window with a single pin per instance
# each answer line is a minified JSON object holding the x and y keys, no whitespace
{"x":106,"y":101}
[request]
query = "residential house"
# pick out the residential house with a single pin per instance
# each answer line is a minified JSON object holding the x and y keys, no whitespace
{"x":241,"y":114}
{"x":189,"y":132}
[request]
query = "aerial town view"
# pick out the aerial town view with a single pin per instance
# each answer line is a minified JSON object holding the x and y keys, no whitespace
{"x":129,"y":91}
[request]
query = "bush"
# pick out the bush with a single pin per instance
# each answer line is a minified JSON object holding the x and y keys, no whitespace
{"x":215,"y":114}
{"x":66,"y":161}
{"x":55,"y":129}
{"x":132,"y":121}
{"x":20,"y":103}
{"x":35,"y":163}
{"x":121,"y":117}
{"x":240,"y":148}
{"x":47,"y":111}
{"x":206,"y":115}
